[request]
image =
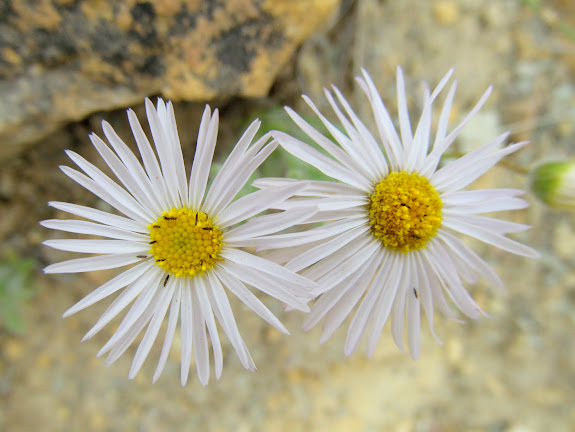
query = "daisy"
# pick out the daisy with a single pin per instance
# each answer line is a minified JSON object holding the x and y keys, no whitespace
{"x":391,"y":246}
{"x":181,"y":240}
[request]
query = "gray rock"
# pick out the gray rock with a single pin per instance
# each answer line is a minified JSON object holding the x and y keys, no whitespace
{"x":62,"y":60}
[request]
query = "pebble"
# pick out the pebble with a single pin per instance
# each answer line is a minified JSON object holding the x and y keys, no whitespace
{"x":563,"y":236}
{"x":13,"y":349}
{"x":98,"y":421}
{"x":454,"y":350}
{"x":445,"y":12}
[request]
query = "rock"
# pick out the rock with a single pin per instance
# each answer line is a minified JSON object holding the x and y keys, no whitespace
{"x":61,"y":60}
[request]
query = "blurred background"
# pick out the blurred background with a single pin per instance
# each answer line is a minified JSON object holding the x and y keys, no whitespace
{"x":66,"y":65}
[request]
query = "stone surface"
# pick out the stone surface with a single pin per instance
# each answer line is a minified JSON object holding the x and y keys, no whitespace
{"x":61,"y":60}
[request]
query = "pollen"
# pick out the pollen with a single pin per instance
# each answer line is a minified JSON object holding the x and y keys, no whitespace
{"x":185,"y":242}
{"x":405,"y":211}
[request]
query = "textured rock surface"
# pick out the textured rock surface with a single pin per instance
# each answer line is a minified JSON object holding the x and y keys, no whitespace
{"x":61,"y":60}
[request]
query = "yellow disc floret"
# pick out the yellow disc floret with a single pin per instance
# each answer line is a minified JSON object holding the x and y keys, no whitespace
{"x":185,"y":242}
{"x":405,"y":211}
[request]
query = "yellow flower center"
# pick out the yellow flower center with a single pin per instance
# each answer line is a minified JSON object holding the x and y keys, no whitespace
{"x":185,"y":242}
{"x":405,"y":211}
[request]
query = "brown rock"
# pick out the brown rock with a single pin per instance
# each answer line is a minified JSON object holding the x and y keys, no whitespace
{"x":61,"y":60}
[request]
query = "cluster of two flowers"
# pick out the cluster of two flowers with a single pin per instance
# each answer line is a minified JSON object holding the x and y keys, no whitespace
{"x":386,"y":243}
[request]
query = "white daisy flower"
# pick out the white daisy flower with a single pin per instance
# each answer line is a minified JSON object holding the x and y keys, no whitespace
{"x":390,"y":245}
{"x":182,"y":240}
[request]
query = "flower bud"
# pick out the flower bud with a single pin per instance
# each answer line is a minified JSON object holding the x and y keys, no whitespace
{"x":554,"y":183}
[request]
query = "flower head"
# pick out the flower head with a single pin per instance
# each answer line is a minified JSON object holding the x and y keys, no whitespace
{"x":182,"y":240}
{"x":554,"y":183}
{"x":390,"y":243}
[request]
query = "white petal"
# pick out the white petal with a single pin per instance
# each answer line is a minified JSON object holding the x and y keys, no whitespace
{"x":90,"y":228}
{"x":152,"y":332}
{"x":266,"y":285}
{"x":248,"y":260}
{"x":423,"y":291}
{"x":314,"y":187}
{"x":488,"y":236}
{"x":404,"y":122}
{"x":167,"y":161}
{"x":385,"y":302}
{"x":202,"y":133}
{"x":352,"y":144}
{"x":365,"y":310}
{"x":268,"y":224}
{"x":172,"y":323}
{"x":115,"y":196}
{"x":127,"y":340}
{"x":387,"y":131}
{"x":143,"y":290}
{"x":334,"y":215}
{"x":132,"y":164}
{"x":413,"y":318}
{"x":208,"y":315}
{"x":225,"y":316}
{"x":331,"y":298}
{"x":238,"y":176}
{"x":451,"y":137}
{"x":339,"y":312}
{"x":135,"y":186}
{"x":98,"y":246}
{"x":416,"y":151}
{"x":398,"y":308}
{"x":423,"y":131}
{"x":436,"y":286}
{"x":441,"y":131}
{"x":478,"y":196}
{"x":500,"y":204}
{"x":203,"y":161}
{"x":255,"y":203}
{"x":327,"y":271}
{"x":200,"y":341}
{"x":325,"y":249}
{"x":442,"y":143}
{"x":465,"y":170}
{"x":110,"y":287}
{"x":100,"y":216}
{"x":186,"y":331}
{"x":176,"y":150}
{"x":103,"y":262}
{"x":350,"y":159}
{"x":298,"y":238}
{"x":237,"y":169}
{"x":283,"y":255}
{"x":492,"y":224}
{"x":338,"y":203}
{"x":250,"y":300}
{"x":462,"y":252}
{"x":326,"y":165}
{"x":446,"y":271}
{"x":150,"y":161}
{"x":364,"y":136}
{"x":104,"y":187}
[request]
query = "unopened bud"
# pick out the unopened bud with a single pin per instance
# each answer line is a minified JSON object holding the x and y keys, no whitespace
{"x":554,"y":183}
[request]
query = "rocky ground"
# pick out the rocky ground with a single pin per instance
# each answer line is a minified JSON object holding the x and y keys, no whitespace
{"x":513,"y":371}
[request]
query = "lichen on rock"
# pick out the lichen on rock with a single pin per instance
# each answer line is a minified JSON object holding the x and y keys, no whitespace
{"x":61,"y":60}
